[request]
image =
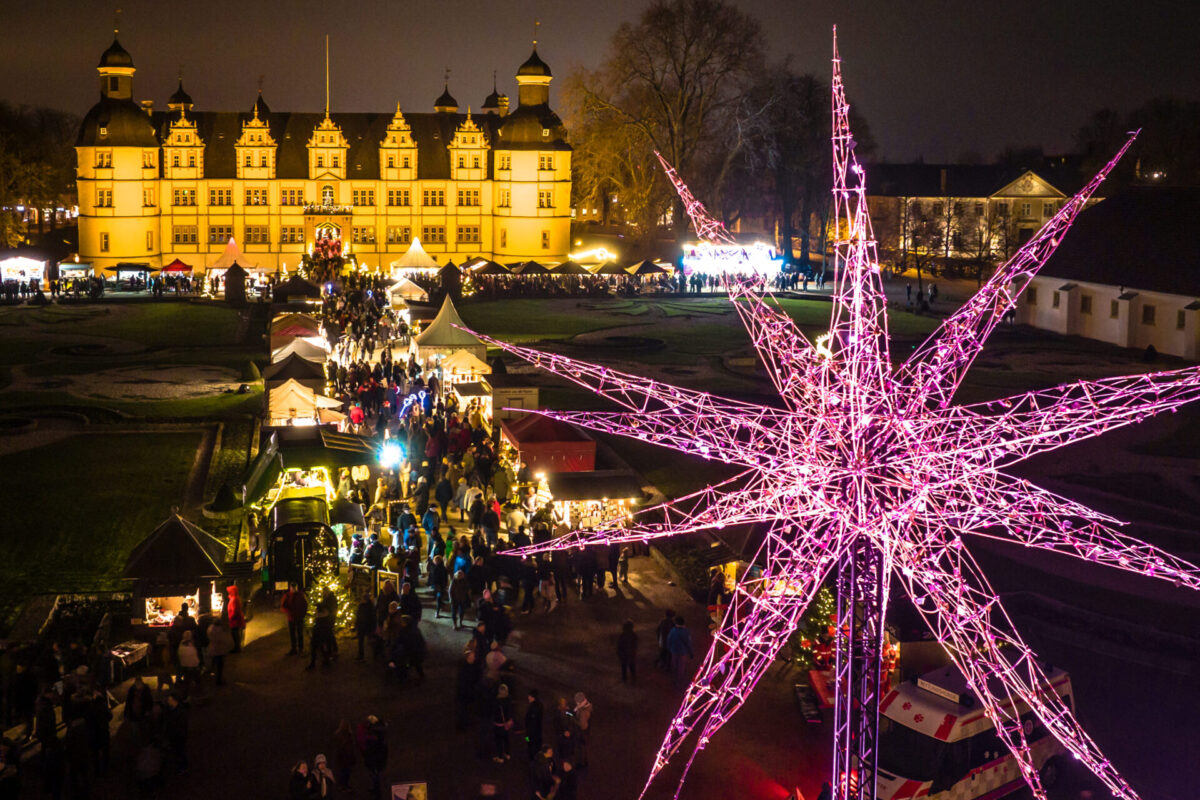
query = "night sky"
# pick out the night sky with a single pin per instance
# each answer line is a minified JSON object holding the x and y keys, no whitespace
{"x":933,"y":78}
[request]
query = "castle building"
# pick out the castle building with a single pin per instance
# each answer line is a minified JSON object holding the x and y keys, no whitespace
{"x":159,"y":185}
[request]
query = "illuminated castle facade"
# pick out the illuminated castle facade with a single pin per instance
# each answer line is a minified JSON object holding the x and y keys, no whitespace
{"x":156,"y":186}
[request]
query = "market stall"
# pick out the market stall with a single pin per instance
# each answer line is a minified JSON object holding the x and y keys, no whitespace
{"x":307,"y":347}
{"x":414,"y":259}
{"x":293,"y":367}
{"x":548,"y":445}
{"x":469,"y":392}
{"x":178,"y":563}
{"x":404,"y":290}
{"x":462,"y":366}
{"x":296,"y":289}
{"x":445,"y":335}
{"x":588,"y":499}
{"x":293,"y":403}
{"x":22,"y":269}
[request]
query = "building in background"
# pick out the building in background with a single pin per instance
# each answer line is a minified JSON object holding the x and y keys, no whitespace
{"x":1128,"y":273}
{"x":159,"y":185}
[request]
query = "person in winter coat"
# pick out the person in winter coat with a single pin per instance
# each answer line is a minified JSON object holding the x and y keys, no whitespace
{"x":364,"y":622}
{"x":534,"y":724}
{"x":345,"y":754}
{"x":300,"y":783}
{"x":220,"y":643}
{"x":236,"y":614}
{"x":460,"y":597}
{"x":323,"y":641}
{"x":322,"y":777}
{"x":410,"y":604}
{"x":372,"y":743}
{"x":627,"y":643}
{"x":439,"y":581}
{"x":679,"y":643}
{"x":665,"y":625}
{"x":502,"y":723}
{"x":189,"y":661}
{"x":295,"y":605}
{"x":175,"y":729}
{"x":466,"y":681}
{"x":582,"y":712}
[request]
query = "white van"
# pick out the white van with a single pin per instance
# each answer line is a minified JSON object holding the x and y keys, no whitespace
{"x":936,"y":742}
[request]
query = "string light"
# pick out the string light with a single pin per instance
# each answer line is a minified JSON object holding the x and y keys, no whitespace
{"x":870,"y":461}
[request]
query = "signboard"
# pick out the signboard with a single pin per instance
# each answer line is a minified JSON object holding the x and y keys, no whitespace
{"x":940,"y":691}
{"x":383,"y":575}
{"x":410,"y":791}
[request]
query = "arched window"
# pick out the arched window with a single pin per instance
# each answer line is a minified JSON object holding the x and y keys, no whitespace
{"x":327,"y":195}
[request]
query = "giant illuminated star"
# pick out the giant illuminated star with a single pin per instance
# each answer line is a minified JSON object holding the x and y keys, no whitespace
{"x":864,"y":454}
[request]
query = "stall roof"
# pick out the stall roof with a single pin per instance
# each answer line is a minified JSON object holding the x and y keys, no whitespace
{"x":175,"y":552}
{"x":296,"y":286}
{"x":595,"y":485}
{"x":301,"y":347}
{"x":647,"y":267}
{"x":414,"y":258}
{"x":472,"y":389}
{"x":294,"y":367}
{"x":570,"y":268}
{"x":446,"y":331}
{"x":610,"y":268}
{"x":319,"y":446}
{"x":465,"y":361}
{"x":285,"y":322}
{"x":177,"y":266}
{"x":493,"y":268}
{"x":539,"y":428}
{"x":231,"y":255}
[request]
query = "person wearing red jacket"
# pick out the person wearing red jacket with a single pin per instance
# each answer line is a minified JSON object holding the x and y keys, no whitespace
{"x":237,"y":618}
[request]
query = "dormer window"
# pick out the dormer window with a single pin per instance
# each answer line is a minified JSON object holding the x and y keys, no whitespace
{"x":320,"y":162}
{"x":103,"y":131}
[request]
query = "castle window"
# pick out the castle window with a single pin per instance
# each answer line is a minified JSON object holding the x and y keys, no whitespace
{"x":505,"y":161}
{"x":363,"y":197}
{"x":104,"y":159}
{"x":103,"y":242}
{"x":220,"y":197}
{"x":184,"y":197}
{"x":363,"y":234}
{"x":433,"y":234}
{"x":256,"y":197}
{"x":404,"y":162}
{"x":468,"y":234}
{"x":545,"y":240}
{"x":320,"y":162}
{"x":1047,"y":209}
{"x":1055,"y":300}
{"x":468,"y":197}
{"x":326,"y":192}
{"x":114,"y":83}
{"x":191,"y":159}
{"x":434,"y":197}
{"x":391,"y":162}
{"x":336,"y":162}
{"x":248,"y":161}
{"x":399,"y":234}
{"x":1180,"y":320}
{"x":979,"y":209}
{"x":175,"y":160}
{"x":462,"y":162}
{"x":1026,"y":209}
{"x":148,"y":198}
{"x":147,"y":159}
{"x":104,"y":198}
{"x":545,"y":199}
{"x":1147,"y":314}
{"x":545,"y":162}
{"x":397,"y":197}
{"x":475,"y":162}
{"x":183,"y":234}
{"x":291,"y":197}
{"x":1085,"y":304}
{"x":220,"y":234}
{"x":1114,"y":309}
{"x":291,"y":234}
{"x":505,"y":199}
{"x":150,"y":240}
{"x":257,"y":234}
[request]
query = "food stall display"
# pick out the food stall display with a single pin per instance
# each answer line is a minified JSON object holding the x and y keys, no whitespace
{"x":163,"y":610}
{"x":589,"y":499}
{"x":178,"y":563}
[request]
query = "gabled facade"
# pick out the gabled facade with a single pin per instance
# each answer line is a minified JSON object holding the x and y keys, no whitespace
{"x":180,"y":183}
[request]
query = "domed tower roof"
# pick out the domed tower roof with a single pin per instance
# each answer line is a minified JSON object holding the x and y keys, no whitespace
{"x":534,"y":66}
{"x":115,"y":56}
{"x":492,"y":101}
{"x":180,"y":100}
{"x":116,"y":122}
{"x":446,"y":101}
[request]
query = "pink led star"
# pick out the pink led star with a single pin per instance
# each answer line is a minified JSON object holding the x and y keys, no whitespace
{"x":866,"y":460}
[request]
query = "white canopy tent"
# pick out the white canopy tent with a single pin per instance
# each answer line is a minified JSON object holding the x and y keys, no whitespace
{"x":415,"y":258}
{"x":404,"y":289}
{"x":462,"y":365}
{"x":305,"y":347}
{"x":445,"y":335}
{"x":293,"y":403}
{"x":232,"y":255}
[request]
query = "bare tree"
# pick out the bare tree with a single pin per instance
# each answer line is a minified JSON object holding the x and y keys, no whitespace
{"x":677,"y":75}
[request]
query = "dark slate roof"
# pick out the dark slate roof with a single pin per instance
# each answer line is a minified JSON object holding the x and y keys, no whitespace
{"x":522,"y":129}
{"x":124,"y":121}
{"x":1142,"y":238}
{"x":962,"y":180}
{"x":492,"y":101}
{"x":261,"y":107}
{"x":116,"y":56}
{"x":177,"y":550}
{"x":219,"y":130}
{"x":180,"y":98}
{"x":611,"y":483}
{"x":534,"y":65}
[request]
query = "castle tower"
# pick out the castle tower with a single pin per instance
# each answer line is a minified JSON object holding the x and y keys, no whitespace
{"x":117,"y":171}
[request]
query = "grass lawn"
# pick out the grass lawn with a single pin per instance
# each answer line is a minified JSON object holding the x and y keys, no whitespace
{"x":92,"y":498}
{"x":527,"y":320}
{"x":217,"y":406}
{"x":165,"y":324}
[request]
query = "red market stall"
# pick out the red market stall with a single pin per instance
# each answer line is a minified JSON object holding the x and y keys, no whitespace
{"x":547,"y":445}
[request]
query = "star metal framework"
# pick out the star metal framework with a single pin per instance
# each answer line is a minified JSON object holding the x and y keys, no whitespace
{"x":868,"y":470}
